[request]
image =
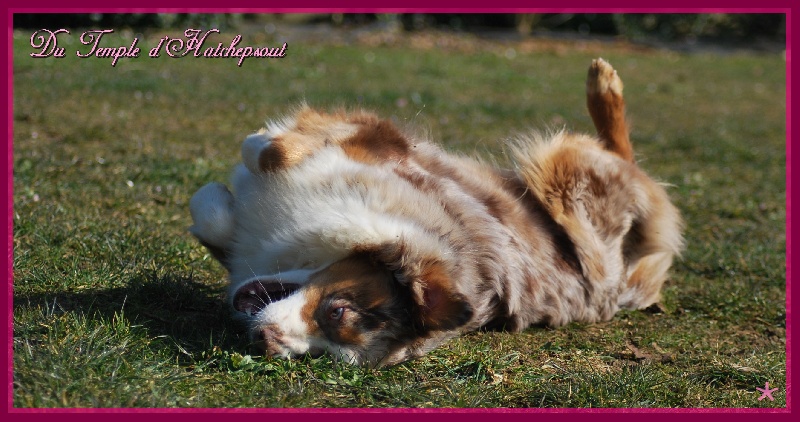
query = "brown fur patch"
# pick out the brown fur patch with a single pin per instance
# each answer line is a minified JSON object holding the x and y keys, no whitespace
{"x":312,"y":131}
{"x":308,"y":313}
{"x":376,"y":142}
{"x":273,"y":158}
{"x":647,"y":277}
{"x":441,"y":307}
{"x":562,"y":186}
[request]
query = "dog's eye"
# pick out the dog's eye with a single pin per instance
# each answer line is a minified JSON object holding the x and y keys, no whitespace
{"x":337,"y":313}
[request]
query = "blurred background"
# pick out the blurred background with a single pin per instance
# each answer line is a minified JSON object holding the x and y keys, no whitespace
{"x":760,"y":31}
{"x":116,"y":305}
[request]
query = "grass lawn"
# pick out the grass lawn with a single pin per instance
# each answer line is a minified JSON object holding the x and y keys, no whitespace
{"x":116,"y":305}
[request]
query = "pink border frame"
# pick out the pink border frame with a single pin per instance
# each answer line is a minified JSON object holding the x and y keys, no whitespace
{"x":429,"y":6}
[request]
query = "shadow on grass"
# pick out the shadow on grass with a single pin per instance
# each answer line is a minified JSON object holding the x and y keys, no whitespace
{"x":194,"y":315}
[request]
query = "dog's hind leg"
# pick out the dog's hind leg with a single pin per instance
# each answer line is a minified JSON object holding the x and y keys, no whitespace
{"x":607,"y":108}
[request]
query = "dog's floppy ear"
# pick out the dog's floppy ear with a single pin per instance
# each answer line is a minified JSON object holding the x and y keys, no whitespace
{"x":437,"y":304}
{"x":212,"y":212}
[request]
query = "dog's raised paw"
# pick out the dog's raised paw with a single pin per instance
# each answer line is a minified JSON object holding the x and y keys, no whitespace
{"x":602,"y":79}
{"x":212,"y":212}
{"x":607,"y":108}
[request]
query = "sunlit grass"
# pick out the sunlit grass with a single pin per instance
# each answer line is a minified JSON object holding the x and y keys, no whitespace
{"x":115,"y":305}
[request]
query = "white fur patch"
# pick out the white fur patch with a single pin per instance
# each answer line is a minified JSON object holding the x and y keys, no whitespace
{"x":314,"y":213}
{"x":212,"y":212}
{"x":278,"y":127}
{"x":285,"y":314}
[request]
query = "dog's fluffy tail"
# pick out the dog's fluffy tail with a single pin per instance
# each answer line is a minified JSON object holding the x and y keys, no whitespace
{"x":607,"y":108}
{"x":620,"y":221}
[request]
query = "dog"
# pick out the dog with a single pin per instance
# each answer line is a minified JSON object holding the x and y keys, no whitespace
{"x":344,"y":235}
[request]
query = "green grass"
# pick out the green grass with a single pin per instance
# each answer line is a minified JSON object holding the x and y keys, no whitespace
{"x":115,"y":305}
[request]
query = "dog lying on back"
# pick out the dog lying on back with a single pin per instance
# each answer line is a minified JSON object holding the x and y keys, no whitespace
{"x":345,"y":236}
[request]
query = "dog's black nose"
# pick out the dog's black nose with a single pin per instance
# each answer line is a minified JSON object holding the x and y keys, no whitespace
{"x":269,"y":340}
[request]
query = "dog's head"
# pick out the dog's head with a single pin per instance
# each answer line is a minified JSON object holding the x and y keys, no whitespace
{"x":328,"y":249}
{"x":357,"y":309}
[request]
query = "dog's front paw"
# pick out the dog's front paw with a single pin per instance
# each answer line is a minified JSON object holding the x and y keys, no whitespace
{"x":212,"y":212}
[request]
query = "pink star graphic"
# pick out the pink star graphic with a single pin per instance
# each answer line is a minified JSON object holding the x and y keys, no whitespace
{"x":767,"y":392}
